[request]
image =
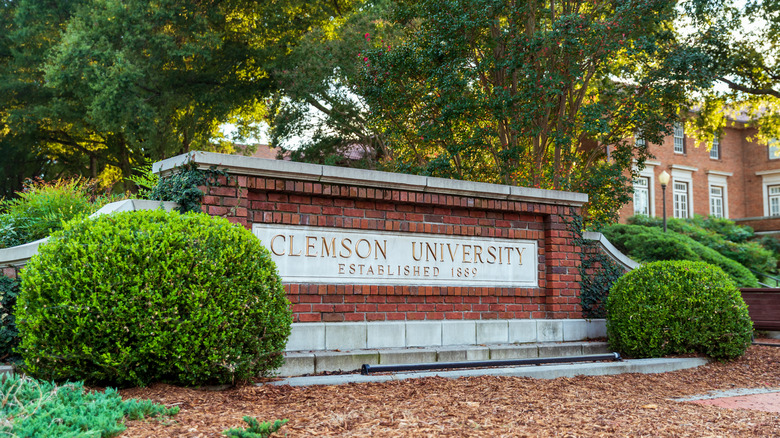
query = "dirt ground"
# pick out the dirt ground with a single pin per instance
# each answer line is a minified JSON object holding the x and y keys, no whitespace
{"x":635,"y":405}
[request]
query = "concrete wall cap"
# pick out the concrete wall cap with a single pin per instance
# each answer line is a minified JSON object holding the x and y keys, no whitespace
{"x":610,"y":249}
{"x":251,"y":166}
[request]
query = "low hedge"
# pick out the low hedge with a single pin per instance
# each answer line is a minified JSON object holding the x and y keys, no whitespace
{"x":132,"y":298}
{"x":674,"y":307}
{"x":649,"y":244}
{"x":715,"y":233}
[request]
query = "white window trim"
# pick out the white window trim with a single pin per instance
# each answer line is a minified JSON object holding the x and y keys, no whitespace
{"x":683,"y":174}
{"x":718,"y":179}
{"x":716,"y":147}
{"x":772,"y":143}
{"x":649,"y":173}
{"x":768,"y":178}
{"x":681,"y":127}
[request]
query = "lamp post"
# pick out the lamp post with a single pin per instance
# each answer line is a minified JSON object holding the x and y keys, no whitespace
{"x":663,"y":178}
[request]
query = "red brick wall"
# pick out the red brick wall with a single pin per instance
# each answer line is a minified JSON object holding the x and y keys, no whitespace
{"x":762,"y":225}
{"x":248,"y":199}
{"x":756,"y":159}
{"x":736,"y":157}
{"x":11,"y":272}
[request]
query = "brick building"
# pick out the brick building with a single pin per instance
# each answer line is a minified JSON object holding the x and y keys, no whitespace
{"x":737,"y":179}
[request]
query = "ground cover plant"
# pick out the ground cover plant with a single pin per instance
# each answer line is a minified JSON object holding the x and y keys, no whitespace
{"x":676,"y":307}
{"x":256,"y":428}
{"x":136,"y":297}
{"x":649,"y":244}
{"x":33,"y":408}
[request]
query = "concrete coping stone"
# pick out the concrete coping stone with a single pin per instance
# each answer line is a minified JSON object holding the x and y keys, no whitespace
{"x":252,"y":166}
{"x":610,"y":249}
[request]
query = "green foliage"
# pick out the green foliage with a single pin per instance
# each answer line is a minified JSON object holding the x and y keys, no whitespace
{"x":9,"y":334}
{"x":723,"y":236}
{"x":97,"y":87}
{"x":598,"y":272}
{"x":318,"y":115}
{"x":145,"y":180}
{"x":181,"y":186}
{"x":649,"y":244}
{"x":41,"y":208}
{"x":256,"y":429}
{"x":737,"y":44}
{"x":32,"y":408}
{"x":595,"y":286}
{"x":137,"y":297}
{"x":534,"y":94}
{"x":677,"y":307}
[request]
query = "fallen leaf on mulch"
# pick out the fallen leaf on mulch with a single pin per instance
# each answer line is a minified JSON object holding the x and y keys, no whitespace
{"x":582,"y":406}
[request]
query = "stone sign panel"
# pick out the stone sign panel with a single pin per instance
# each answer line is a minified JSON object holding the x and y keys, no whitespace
{"x":320,"y":255}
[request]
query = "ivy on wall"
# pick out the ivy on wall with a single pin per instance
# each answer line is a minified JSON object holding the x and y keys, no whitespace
{"x":598,"y":271}
{"x":9,"y":334}
{"x":182,"y":186}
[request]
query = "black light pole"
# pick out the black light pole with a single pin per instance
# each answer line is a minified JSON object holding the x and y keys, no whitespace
{"x":663,"y":178}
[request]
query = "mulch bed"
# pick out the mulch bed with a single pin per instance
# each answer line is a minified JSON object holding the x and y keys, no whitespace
{"x":633,"y":405}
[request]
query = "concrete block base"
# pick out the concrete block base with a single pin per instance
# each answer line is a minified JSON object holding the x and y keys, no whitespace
{"x":430,"y":334}
{"x":298,"y":363}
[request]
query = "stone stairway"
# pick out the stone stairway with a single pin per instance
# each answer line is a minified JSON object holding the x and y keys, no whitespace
{"x":298,"y":363}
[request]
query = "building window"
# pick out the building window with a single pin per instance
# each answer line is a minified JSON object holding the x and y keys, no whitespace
{"x":774,"y":149}
{"x":716,"y":201}
{"x":642,"y":196}
{"x":715,"y":151}
{"x":639,"y":141}
{"x":681,"y":200}
{"x":774,"y":200}
{"x":679,"y":138}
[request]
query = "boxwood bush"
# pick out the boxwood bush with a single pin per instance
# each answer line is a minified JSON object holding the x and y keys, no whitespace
{"x":674,"y":307}
{"x":136,"y":297}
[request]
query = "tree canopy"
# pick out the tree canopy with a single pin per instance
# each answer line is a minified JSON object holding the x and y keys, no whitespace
{"x":96,"y":87}
{"x":739,"y":46}
{"x":542,"y":94}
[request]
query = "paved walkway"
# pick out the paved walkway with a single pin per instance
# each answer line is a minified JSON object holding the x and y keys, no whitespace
{"x":762,"y":399}
{"x":646,"y":366}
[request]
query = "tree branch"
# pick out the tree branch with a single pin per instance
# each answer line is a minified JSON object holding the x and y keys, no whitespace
{"x":749,"y":90}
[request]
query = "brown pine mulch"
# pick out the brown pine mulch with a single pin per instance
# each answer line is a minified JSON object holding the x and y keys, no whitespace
{"x":634,"y":405}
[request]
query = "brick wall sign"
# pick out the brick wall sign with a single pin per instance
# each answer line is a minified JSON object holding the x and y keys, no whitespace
{"x":321,"y":255}
{"x":359,"y":246}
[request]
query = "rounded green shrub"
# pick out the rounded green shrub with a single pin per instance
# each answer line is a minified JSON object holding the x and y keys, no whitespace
{"x":674,"y":307}
{"x":132,"y":298}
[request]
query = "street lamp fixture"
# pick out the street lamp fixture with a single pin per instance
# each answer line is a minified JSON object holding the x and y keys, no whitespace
{"x":663,"y":178}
